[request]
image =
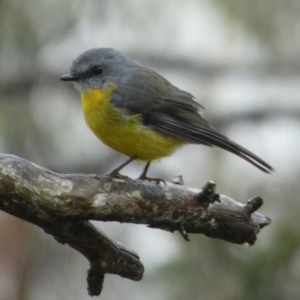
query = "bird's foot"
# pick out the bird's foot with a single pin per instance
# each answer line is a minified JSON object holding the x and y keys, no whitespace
{"x":157,"y":180}
{"x":115,"y":172}
{"x":117,"y":175}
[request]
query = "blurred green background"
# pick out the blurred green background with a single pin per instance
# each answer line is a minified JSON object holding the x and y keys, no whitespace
{"x":239,"y":58}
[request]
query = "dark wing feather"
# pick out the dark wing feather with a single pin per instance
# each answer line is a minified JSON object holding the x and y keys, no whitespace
{"x":173,"y":112}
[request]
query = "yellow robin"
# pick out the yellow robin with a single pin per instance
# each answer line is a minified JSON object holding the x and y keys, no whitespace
{"x":139,"y":113}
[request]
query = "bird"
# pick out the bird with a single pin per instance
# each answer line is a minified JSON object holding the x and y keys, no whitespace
{"x":139,"y":113}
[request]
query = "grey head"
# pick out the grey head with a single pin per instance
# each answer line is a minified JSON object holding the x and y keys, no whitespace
{"x":100,"y":68}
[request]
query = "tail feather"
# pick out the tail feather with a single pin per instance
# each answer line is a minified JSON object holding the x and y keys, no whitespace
{"x":226,"y":144}
{"x":199,"y":131}
{"x":251,"y":158}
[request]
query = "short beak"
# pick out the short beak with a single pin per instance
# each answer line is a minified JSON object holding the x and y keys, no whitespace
{"x":69,"y":77}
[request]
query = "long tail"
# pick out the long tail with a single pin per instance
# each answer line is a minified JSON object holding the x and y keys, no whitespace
{"x":217,"y":139}
{"x":250,"y":157}
{"x":193,"y":128}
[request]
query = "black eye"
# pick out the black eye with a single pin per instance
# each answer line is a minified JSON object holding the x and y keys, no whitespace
{"x":97,"y":70}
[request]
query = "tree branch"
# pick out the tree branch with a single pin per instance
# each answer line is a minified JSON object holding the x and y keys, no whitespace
{"x":63,"y":204}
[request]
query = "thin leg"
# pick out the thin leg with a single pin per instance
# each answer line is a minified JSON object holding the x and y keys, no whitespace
{"x":144,"y":173}
{"x":143,"y":176}
{"x":115,"y":172}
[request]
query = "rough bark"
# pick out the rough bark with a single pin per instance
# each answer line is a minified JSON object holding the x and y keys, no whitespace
{"x":62,"y":204}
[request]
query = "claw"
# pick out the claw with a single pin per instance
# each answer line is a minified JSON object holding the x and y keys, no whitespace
{"x":157,"y":180}
{"x":115,"y":172}
{"x":143,"y":176}
{"x":117,"y":175}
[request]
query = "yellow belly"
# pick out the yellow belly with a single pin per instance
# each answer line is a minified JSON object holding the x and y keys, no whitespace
{"x":125,"y":134}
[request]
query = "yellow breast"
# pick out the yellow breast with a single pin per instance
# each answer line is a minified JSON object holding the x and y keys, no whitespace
{"x":125,"y":134}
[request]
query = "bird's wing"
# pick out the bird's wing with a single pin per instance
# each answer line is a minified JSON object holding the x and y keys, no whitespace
{"x":173,"y":112}
{"x":163,"y":107}
{"x":144,"y":90}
